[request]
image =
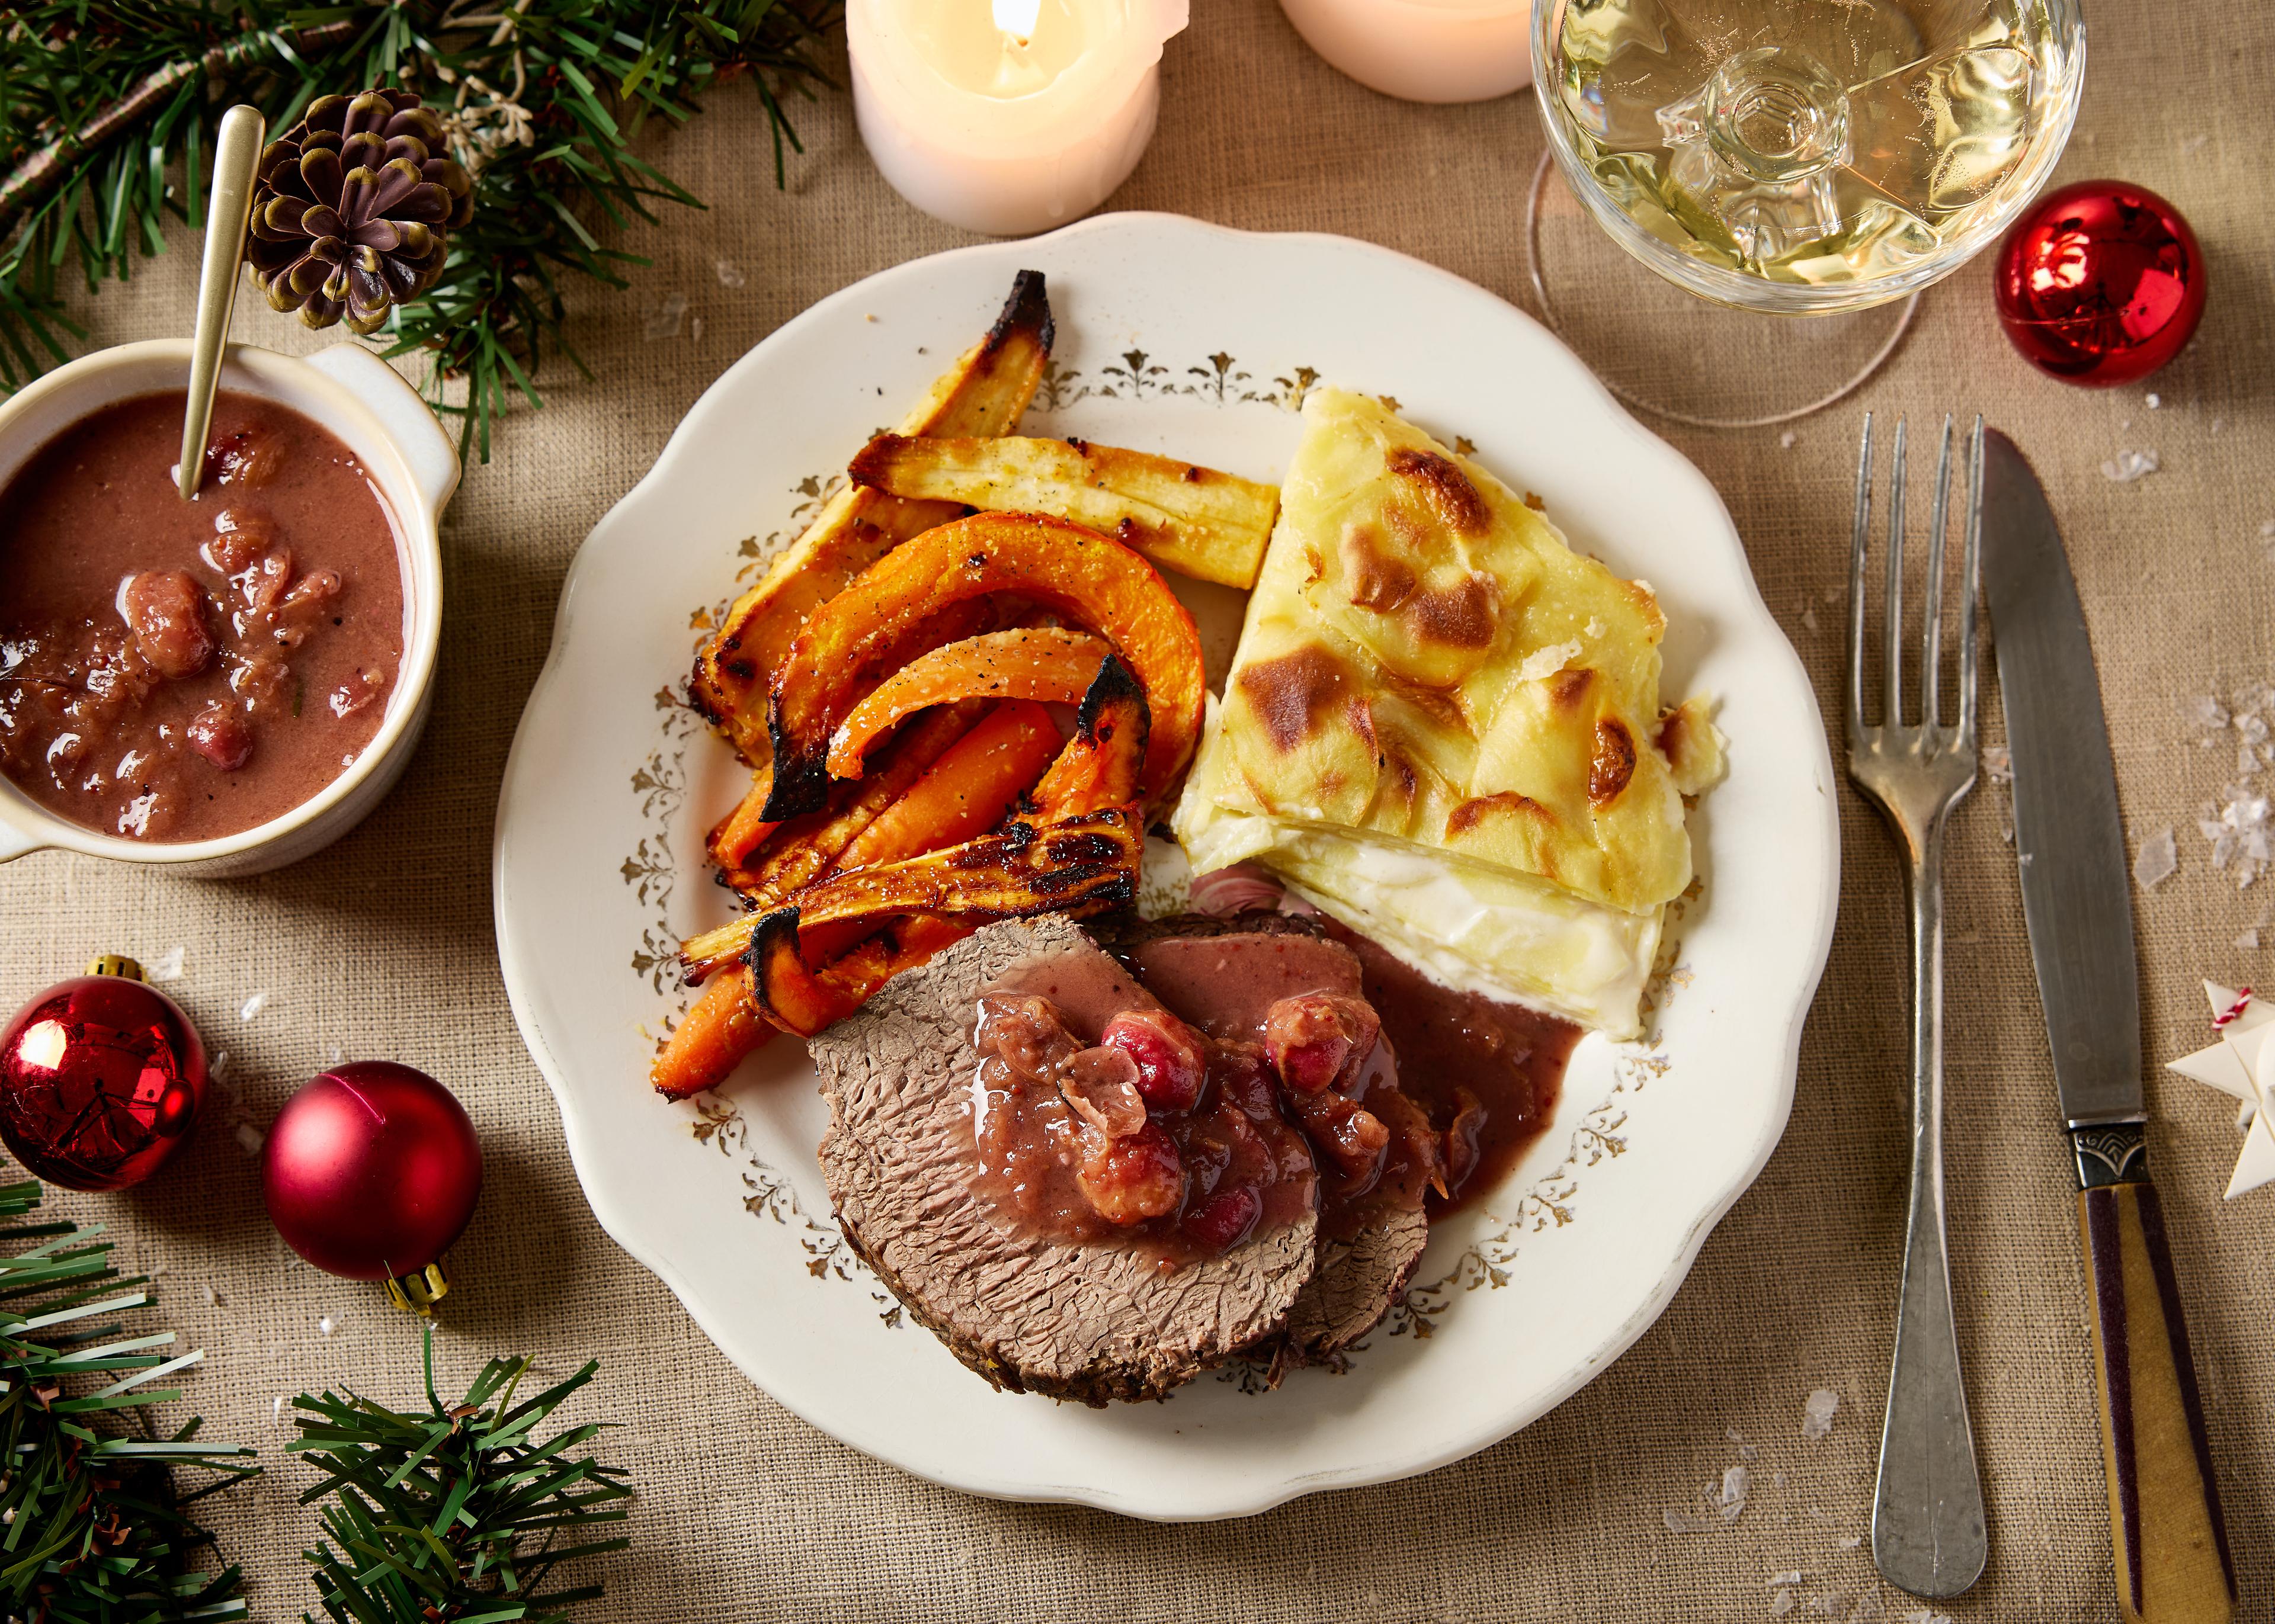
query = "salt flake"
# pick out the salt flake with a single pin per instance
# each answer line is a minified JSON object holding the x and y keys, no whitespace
{"x":2127,"y":466}
{"x":276,"y":1409}
{"x":250,"y":1139}
{"x":1849,"y":1542}
{"x":1730,"y":1501}
{"x":253,"y":1005}
{"x":1786,"y":439}
{"x":2249,"y":939}
{"x":2242,"y":830}
{"x":2157,"y":861}
{"x":729,"y":274}
{"x":663,"y":321}
{"x":1781,"y":1604}
{"x":1999,"y":763}
{"x":1817,"y":1413}
{"x":1683,"y":1523}
{"x":217,"y":1067}
{"x":1809,"y":618}
{"x":1834,"y":1605}
{"x":1791,"y":1575}
{"x":167,"y":966}
{"x":326,"y":1324}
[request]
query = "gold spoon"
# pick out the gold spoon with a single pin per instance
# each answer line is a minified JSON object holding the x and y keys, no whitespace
{"x":237,"y":152}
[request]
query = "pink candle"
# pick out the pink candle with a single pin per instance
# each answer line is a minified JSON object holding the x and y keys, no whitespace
{"x":1423,"y":50}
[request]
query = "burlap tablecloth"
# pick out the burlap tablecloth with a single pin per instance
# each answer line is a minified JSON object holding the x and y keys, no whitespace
{"x":384,"y":948}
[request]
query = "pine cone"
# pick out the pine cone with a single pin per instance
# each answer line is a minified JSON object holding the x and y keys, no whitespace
{"x":353,"y":209}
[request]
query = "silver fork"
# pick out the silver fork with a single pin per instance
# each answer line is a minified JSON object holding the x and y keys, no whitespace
{"x":1928,"y":1530}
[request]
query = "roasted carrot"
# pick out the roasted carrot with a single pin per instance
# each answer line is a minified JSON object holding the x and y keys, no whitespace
{"x":740,"y":831}
{"x":719,"y":1029}
{"x":1038,"y":662}
{"x":1100,"y":763}
{"x":966,"y":790}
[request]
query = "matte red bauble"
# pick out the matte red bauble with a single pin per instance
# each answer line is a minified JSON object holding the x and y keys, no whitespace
{"x":371,"y":1171}
{"x":101,"y":1078}
{"x":2101,"y":283}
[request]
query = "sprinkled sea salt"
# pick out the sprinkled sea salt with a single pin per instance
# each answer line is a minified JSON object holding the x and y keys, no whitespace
{"x":1849,"y":1542}
{"x":1786,"y":439}
{"x":2242,"y":835}
{"x":2191,"y":145}
{"x":663,"y":321}
{"x":250,"y":1139}
{"x":1780,"y":1603}
{"x":1683,"y":1523}
{"x":2158,"y":860}
{"x":334,"y":1055}
{"x":167,"y":966}
{"x":729,"y":274}
{"x":326,"y":1324}
{"x":1809,"y":618}
{"x":2127,"y":466}
{"x":253,"y":1005}
{"x":1817,"y":1414}
{"x":1998,"y":764}
{"x":212,"y":1297}
{"x":217,"y":1067}
{"x":1834,"y":1605}
{"x":276,"y":1409}
{"x":1731,"y":1500}
{"x":1791,"y":1575}
{"x":695,"y":330}
{"x":2249,"y":939}
{"x":1921,"y":1615}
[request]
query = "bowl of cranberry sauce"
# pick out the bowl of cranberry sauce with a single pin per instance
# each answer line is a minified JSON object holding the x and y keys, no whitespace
{"x":232,"y":682}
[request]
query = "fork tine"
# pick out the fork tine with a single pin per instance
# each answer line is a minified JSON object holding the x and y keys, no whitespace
{"x":1931,"y":635}
{"x":1971,"y":569}
{"x":1856,"y":552}
{"x":1891,"y":701}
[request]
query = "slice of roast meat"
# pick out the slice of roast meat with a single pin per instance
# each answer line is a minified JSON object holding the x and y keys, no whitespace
{"x":1227,"y":975}
{"x":1119,"y":1313}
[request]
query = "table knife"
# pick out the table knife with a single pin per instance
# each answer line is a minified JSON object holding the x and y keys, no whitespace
{"x":2170,"y":1542}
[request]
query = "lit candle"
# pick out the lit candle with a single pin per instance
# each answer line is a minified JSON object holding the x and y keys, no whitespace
{"x":1423,"y":50}
{"x":1008,"y":116}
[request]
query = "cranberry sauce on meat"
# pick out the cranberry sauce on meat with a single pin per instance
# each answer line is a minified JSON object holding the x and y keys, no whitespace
{"x":1294,"y":1007}
{"x":1100,"y":1116}
{"x":177,"y":670}
{"x":1488,"y":1073}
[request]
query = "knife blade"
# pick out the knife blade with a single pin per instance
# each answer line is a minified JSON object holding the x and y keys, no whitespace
{"x":2068,"y":838}
{"x":2167,"y":1536}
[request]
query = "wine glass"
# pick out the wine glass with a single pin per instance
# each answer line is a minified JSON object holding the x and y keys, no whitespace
{"x":1807,"y":157}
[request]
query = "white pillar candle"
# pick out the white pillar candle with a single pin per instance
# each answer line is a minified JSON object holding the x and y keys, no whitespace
{"x":1008,"y":116}
{"x":1423,"y":50}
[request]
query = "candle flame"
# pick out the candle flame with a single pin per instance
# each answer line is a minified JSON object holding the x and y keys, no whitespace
{"x":1017,"y":18}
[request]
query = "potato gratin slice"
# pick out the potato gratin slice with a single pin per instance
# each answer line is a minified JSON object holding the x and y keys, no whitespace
{"x":1443,"y":726}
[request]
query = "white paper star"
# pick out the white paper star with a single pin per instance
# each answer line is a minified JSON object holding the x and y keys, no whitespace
{"x":2242,"y":1064}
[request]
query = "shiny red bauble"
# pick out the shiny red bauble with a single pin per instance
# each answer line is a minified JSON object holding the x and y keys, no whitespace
{"x":2101,"y":283}
{"x":101,"y":1078}
{"x":372,"y":1170}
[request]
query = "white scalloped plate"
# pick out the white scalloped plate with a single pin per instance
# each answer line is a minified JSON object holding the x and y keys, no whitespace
{"x":1190,"y":339}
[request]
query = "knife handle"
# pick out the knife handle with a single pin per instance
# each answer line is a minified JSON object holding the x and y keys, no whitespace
{"x":2165,"y":1523}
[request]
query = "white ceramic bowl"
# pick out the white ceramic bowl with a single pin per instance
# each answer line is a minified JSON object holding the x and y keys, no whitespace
{"x":394,"y":435}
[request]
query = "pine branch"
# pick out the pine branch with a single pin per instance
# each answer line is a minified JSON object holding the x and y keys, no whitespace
{"x":454,"y":1512}
{"x":91,"y":1524}
{"x":543,"y":99}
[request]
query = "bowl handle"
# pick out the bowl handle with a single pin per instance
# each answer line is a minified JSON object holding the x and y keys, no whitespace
{"x":408,"y":421}
{"x":15,"y":843}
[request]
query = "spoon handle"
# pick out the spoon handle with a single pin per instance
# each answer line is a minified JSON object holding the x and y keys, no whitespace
{"x":237,"y":152}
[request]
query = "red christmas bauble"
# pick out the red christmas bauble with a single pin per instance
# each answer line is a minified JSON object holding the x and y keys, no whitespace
{"x":372,"y":1170}
{"x":2101,"y":283}
{"x":101,"y":1078}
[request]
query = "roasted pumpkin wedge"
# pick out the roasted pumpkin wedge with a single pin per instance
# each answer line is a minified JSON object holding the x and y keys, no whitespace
{"x":1049,"y":663}
{"x":1090,"y":578}
{"x":1102,"y":765}
{"x":982,"y":394}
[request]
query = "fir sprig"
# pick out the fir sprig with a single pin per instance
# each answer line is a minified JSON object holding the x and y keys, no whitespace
{"x":91,"y":1526}
{"x":456,"y":1513}
{"x":542,"y":99}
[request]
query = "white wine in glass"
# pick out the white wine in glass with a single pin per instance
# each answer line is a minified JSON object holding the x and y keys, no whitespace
{"x":1797,"y":156}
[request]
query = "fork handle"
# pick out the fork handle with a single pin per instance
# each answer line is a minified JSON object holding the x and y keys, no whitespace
{"x":1929,"y":1533}
{"x":2173,"y":1565}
